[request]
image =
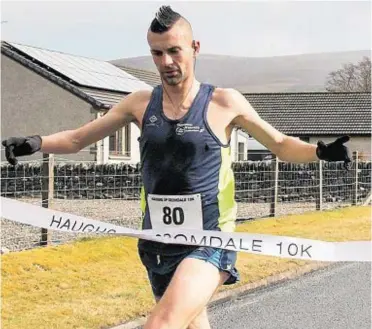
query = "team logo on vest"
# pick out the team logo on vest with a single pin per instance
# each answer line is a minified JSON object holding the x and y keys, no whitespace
{"x":153,"y":121}
{"x":183,"y":128}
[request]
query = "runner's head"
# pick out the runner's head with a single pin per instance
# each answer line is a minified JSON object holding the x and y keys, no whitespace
{"x":172,"y":46}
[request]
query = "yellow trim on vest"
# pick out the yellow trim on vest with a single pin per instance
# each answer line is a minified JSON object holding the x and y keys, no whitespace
{"x":142,"y":204}
{"x":226,"y":195}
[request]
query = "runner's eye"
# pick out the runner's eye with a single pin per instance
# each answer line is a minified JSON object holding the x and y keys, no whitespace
{"x":174,"y":51}
{"x":156,"y":52}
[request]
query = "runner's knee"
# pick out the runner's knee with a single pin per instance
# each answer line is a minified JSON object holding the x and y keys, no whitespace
{"x":159,"y":322}
{"x":162,"y":320}
{"x":155,"y":322}
{"x":165,"y":320}
{"x":200,"y":322}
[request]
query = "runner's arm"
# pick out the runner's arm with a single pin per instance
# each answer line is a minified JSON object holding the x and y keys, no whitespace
{"x":285,"y":147}
{"x":72,"y":141}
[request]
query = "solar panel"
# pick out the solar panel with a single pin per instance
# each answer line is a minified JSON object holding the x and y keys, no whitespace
{"x":86,"y":71}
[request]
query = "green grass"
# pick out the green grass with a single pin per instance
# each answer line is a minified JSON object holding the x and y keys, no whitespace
{"x":97,"y":283}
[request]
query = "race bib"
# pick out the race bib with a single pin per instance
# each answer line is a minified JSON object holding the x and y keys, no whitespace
{"x":182,"y":211}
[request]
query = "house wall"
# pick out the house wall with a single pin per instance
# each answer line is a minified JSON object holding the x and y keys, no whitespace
{"x":135,"y":152}
{"x":31,"y":104}
{"x":237,"y":137}
{"x":134,"y":146}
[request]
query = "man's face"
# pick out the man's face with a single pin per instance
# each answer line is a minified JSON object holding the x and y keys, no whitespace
{"x":173,"y":54}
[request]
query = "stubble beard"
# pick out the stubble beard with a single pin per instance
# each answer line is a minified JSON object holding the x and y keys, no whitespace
{"x":173,"y":81}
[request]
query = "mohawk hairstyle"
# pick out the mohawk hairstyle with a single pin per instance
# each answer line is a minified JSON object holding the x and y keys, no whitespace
{"x":164,"y":19}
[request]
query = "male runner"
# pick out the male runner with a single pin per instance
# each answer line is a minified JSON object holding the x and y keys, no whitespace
{"x":185,"y":132}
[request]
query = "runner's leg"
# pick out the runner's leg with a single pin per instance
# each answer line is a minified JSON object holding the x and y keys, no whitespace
{"x":200,"y":322}
{"x":187,"y":295}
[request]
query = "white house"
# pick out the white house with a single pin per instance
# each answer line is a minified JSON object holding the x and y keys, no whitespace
{"x":45,"y":91}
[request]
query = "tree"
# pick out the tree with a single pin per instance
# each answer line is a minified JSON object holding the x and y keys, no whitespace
{"x":351,"y":77}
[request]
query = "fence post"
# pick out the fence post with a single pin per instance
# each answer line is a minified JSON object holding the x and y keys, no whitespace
{"x":51,"y":178}
{"x":355,"y":190}
{"x":319,"y":195}
{"x":274,"y":190}
{"x":47,"y":191}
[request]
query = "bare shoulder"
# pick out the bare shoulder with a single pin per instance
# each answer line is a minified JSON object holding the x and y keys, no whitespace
{"x":138,"y":99}
{"x":143,"y":94}
{"x":227,"y":98}
{"x":133,"y":105}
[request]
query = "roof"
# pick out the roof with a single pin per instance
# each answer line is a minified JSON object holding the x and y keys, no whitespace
{"x":300,"y":114}
{"x":83,"y":71}
{"x":150,"y":77}
{"x":100,"y":98}
{"x":107,"y":99}
{"x":315,"y":113}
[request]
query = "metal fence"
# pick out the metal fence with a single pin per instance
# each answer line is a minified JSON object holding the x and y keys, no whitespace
{"x":111,"y":192}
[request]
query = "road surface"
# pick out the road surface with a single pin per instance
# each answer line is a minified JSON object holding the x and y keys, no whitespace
{"x":335,"y":298}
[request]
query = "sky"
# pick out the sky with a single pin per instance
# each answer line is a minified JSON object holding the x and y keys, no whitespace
{"x":117,"y":29}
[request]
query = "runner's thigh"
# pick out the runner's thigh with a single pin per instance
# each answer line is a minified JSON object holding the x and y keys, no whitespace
{"x":189,"y":291}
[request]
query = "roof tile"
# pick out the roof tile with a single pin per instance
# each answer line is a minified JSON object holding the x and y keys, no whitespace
{"x":315,"y":113}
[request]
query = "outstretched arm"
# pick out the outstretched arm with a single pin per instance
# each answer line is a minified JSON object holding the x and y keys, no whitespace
{"x":72,"y":141}
{"x":285,"y":147}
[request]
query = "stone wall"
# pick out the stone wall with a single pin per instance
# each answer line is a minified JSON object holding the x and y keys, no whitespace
{"x":254,"y":181}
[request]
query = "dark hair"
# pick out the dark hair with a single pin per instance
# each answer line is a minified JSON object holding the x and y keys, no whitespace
{"x":164,"y":19}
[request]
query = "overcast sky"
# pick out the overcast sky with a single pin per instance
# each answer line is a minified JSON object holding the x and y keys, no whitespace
{"x":117,"y":29}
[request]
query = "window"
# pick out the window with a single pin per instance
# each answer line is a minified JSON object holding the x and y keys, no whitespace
{"x":259,"y":155}
{"x":240,"y":151}
{"x":119,"y":143}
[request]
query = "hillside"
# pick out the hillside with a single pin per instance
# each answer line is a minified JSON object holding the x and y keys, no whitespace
{"x":306,"y":72}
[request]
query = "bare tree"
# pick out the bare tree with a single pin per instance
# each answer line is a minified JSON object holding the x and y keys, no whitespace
{"x":351,"y":77}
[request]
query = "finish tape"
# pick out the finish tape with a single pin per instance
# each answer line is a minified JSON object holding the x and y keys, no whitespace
{"x":261,"y":244}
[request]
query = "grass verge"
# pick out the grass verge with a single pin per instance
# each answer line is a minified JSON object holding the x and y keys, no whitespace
{"x":98,"y":283}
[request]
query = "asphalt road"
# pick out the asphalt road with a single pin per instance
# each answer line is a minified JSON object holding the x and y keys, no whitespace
{"x":335,"y":298}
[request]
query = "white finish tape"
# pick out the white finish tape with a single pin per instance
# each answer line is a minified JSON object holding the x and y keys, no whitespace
{"x":261,"y":244}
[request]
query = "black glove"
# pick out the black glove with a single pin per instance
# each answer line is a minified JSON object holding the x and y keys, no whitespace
{"x":335,"y":151}
{"x":19,"y":146}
